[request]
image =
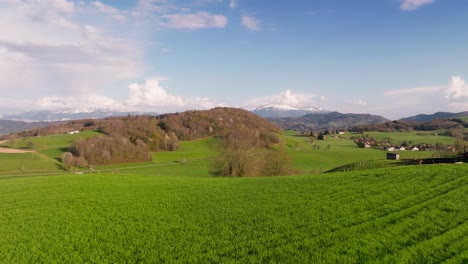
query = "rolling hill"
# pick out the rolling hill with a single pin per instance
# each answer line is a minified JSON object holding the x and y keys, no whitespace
{"x":10,"y":126}
{"x":326,"y":121}
{"x":438,"y":115}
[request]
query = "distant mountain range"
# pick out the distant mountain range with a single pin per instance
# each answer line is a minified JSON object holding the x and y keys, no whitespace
{"x":9,"y":126}
{"x":68,"y":114}
{"x":427,"y":118}
{"x":268,"y":111}
{"x":284,"y":116}
{"x":326,"y":121}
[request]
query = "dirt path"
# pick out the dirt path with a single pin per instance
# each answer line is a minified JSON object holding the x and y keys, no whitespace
{"x":8,"y":150}
{"x":3,"y":141}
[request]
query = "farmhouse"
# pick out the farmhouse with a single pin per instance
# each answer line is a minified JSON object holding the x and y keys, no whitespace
{"x":73,"y":132}
{"x":393,"y":156}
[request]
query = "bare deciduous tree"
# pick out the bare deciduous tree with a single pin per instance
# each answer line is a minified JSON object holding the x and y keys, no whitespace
{"x":68,"y":160}
{"x":236,"y":150}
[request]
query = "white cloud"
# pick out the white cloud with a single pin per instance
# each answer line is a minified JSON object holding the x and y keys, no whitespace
{"x":457,"y":91}
{"x":233,"y":4}
{"x":145,"y":8}
{"x":251,"y":23}
{"x":410,"y":5}
{"x":148,"y":96}
{"x":152,"y":96}
{"x":287,"y":99}
{"x":427,"y":99}
{"x":413,"y":91}
{"x":193,"y":21}
{"x":88,"y":102}
{"x":109,"y":10}
{"x":45,"y":48}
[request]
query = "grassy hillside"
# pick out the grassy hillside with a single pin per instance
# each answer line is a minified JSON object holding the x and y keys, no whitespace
{"x":27,"y":163}
{"x":45,"y":155}
{"x":394,"y":215}
{"x":416,"y":137}
{"x":325,"y":121}
{"x":193,"y":158}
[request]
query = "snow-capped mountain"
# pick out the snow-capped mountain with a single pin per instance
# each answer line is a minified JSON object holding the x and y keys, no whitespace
{"x":277,"y":110}
{"x":68,"y":114}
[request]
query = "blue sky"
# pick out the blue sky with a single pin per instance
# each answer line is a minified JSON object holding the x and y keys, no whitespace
{"x":390,"y":57}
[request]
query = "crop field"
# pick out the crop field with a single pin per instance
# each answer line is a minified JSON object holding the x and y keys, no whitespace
{"x":416,"y":214}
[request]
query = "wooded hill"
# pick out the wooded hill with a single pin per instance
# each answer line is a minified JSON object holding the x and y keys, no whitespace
{"x":453,"y":126}
{"x":438,"y":115}
{"x":132,"y":138}
{"x":10,"y":126}
{"x":326,"y":121}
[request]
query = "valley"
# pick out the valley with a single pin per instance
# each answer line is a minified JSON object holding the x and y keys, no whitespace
{"x":338,"y":202}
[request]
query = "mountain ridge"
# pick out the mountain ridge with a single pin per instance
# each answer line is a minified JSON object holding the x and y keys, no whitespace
{"x":430,"y":117}
{"x":282,"y":110}
{"x":326,"y":121}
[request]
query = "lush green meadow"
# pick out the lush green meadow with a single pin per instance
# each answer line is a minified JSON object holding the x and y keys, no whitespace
{"x":415,"y":214}
{"x":48,"y":142}
{"x":415,"y":137}
{"x":194,"y":157}
{"x":27,"y":163}
{"x":45,"y":155}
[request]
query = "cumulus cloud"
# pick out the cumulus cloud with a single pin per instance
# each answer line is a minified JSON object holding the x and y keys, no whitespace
{"x":251,"y":23}
{"x":286,"y":99}
{"x":457,"y":90}
{"x":152,"y":96}
{"x":428,"y":99}
{"x":45,"y":47}
{"x":68,"y":48}
{"x":193,"y":21}
{"x":149,"y":96}
{"x":410,"y":5}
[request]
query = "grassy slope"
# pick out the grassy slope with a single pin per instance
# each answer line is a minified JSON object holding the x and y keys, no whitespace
{"x":407,"y":215}
{"x":416,"y":137}
{"x":27,"y":163}
{"x":192,"y":159}
{"x":48,"y":149}
{"x":342,"y":151}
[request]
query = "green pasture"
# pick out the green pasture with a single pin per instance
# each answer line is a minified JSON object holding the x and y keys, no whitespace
{"x":415,"y":137}
{"x":45,"y":157}
{"x":48,"y":142}
{"x":333,"y":152}
{"x":193,"y":158}
{"x":416,"y":214}
{"x":189,"y":151}
{"x":27,"y":163}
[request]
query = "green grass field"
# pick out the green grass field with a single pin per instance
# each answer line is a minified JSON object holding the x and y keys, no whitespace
{"x":194,"y":157}
{"x":44,"y":159}
{"x":48,"y":142}
{"x":416,"y":137}
{"x":416,"y":214}
{"x":28,"y":163}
